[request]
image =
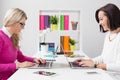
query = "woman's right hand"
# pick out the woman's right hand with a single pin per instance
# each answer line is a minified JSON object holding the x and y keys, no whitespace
{"x":25,"y":64}
{"x":84,"y":62}
{"x":77,"y":61}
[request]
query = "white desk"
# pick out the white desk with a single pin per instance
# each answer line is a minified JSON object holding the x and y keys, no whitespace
{"x":63,"y":72}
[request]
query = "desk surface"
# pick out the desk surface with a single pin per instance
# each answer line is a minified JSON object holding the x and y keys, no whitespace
{"x":62,"y":70}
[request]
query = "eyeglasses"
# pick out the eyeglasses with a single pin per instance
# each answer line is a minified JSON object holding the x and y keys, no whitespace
{"x":22,"y":24}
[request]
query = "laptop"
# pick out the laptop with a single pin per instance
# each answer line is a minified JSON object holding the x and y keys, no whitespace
{"x":72,"y":64}
{"x":47,"y":65}
{"x":49,"y":61}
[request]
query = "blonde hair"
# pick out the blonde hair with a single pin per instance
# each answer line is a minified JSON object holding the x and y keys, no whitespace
{"x":12,"y":16}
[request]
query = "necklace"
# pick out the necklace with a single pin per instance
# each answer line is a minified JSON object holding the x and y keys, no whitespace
{"x":113,"y":34}
{"x":112,"y":37}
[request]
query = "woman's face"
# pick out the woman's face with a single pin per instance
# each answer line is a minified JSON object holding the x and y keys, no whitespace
{"x":19,"y":26}
{"x":103,"y":20}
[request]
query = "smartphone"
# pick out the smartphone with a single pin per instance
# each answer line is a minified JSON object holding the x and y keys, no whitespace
{"x":45,"y":73}
{"x":93,"y":72}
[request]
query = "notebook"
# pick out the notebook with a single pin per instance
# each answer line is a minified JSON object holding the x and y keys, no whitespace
{"x":43,"y":66}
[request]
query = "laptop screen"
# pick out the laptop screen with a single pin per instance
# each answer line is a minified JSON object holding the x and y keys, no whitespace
{"x":55,"y":52}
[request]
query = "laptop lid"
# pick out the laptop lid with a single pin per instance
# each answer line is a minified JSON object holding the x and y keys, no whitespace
{"x":55,"y":52}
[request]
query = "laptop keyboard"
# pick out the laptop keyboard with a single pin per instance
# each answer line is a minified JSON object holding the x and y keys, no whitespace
{"x":42,"y":66}
{"x":74,"y":65}
{"x":48,"y":64}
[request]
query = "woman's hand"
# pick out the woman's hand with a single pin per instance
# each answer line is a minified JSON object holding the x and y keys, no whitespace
{"x":85,"y":62}
{"x":102,"y":66}
{"x":29,"y":64}
{"x":89,"y":63}
{"x":25,"y":64}
{"x":39,"y":60}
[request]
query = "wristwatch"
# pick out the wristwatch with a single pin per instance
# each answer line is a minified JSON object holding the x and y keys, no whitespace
{"x":95,"y":65}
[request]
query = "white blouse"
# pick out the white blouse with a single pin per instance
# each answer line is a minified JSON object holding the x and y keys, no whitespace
{"x":111,"y":52}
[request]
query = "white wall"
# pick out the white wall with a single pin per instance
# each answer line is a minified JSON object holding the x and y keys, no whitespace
{"x":92,"y":39}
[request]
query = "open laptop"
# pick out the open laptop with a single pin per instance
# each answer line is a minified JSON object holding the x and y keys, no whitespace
{"x":49,"y":61}
{"x":72,"y":64}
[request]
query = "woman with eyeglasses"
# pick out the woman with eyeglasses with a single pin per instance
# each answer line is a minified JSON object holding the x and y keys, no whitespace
{"x":14,"y":22}
{"x":108,"y":18}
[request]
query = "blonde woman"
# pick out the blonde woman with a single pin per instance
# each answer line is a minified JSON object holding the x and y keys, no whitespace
{"x":14,"y":22}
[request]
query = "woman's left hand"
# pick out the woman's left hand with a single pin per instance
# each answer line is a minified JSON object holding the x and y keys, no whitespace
{"x":102,"y":66}
{"x":39,"y":60}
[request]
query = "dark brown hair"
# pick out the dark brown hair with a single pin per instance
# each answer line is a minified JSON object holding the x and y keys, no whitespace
{"x":113,"y":14}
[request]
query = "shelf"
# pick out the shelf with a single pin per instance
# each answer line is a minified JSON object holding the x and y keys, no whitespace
{"x":69,"y":17}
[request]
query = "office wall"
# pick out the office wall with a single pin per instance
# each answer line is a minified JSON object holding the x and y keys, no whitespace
{"x":91,"y":39}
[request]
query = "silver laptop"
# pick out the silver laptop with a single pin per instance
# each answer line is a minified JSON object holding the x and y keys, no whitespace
{"x":72,"y":64}
{"x":48,"y":65}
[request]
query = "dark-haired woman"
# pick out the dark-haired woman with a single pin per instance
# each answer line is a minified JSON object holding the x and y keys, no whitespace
{"x":108,"y":18}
